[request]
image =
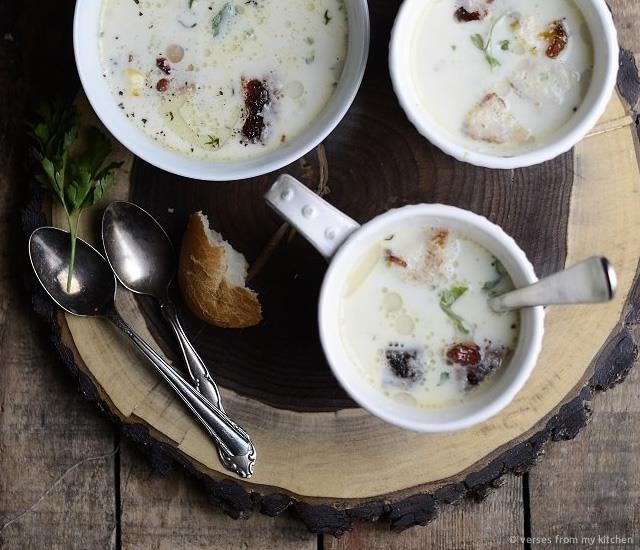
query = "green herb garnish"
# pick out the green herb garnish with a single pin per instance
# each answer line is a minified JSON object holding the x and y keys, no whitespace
{"x":327,"y":17}
{"x":493,"y":287}
{"x":486,"y":46}
{"x":447,"y":299}
{"x":74,"y":172}
{"x":309,"y":40}
{"x":213,"y":142}
{"x":504,"y":45}
{"x":478,"y":41}
{"x":191,"y":3}
{"x":221,"y":18}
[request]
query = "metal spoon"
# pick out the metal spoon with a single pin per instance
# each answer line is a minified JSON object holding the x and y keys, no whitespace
{"x":142,"y":257}
{"x":593,"y":280}
{"x":92,"y":294}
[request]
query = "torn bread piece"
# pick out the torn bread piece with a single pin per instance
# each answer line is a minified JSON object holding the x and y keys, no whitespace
{"x":212,"y":277}
{"x":492,"y":121}
{"x":543,"y":82}
{"x":526,"y":34}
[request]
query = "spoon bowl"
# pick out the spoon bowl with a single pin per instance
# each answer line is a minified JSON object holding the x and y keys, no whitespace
{"x":141,"y":255}
{"x":93,"y":285}
{"x":138,"y":249}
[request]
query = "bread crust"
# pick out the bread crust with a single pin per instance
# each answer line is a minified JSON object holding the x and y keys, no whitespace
{"x":492,"y":121}
{"x":207,"y":293}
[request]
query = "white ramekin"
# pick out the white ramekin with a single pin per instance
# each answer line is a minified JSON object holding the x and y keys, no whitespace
{"x":342,"y":241}
{"x":605,"y":70}
{"x":85,"y":37}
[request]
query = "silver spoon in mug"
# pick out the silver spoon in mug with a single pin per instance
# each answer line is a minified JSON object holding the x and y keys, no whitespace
{"x":92,"y":294}
{"x":590,"y":281}
{"x":144,"y":261}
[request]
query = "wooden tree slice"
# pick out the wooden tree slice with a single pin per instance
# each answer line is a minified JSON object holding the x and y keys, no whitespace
{"x":317,"y":451}
{"x":331,"y":460}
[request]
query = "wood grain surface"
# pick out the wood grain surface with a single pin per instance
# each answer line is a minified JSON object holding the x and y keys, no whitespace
{"x":44,"y":428}
{"x":274,"y":378}
{"x":588,"y":487}
{"x":561,"y":199}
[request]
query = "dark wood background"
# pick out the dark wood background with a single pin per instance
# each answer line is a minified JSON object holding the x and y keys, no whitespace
{"x":585,"y":488}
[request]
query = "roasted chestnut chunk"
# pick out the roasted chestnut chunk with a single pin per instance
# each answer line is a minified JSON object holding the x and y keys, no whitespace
{"x":465,"y":354}
{"x":256,"y":98}
{"x":556,"y":37}
{"x":465,"y":16}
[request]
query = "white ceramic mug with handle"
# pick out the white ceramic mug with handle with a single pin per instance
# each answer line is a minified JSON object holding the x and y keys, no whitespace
{"x":342,"y":242}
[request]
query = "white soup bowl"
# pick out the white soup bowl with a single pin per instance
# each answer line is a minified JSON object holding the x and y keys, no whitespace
{"x":86,"y":30}
{"x":342,"y":241}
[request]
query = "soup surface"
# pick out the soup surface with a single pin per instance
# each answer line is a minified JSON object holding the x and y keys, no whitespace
{"x":415,"y":319}
{"x":501,"y":76}
{"x":220,"y":79}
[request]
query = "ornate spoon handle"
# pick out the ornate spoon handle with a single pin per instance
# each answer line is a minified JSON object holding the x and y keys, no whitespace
{"x":197,"y":369}
{"x":236,"y":450}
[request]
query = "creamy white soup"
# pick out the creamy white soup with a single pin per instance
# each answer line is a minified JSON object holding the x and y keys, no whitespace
{"x":415,"y":319}
{"x":223,"y":79}
{"x":501,"y":76}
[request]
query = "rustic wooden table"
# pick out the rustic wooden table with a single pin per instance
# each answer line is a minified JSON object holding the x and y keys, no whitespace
{"x":67,"y":479}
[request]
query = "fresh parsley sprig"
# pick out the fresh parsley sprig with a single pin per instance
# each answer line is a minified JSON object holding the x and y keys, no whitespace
{"x":486,"y":46}
{"x":75,"y":173}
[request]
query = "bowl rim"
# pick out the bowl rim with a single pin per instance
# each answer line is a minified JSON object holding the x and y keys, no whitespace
{"x":144,"y":147}
{"x":439,"y":136}
{"x":344,"y":259}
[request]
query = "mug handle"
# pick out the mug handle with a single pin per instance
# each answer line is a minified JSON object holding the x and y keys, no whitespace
{"x":323,"y":225}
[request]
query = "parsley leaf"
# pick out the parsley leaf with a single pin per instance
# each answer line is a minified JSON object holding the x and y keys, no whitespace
{"x":447,"y":299}
{"x":493,"y":62}
{"x":213,"y":142}
{"x":220,"y":20}
{"x":75,"y":173}
{"x":478,"y":41}
{"x":493,"y":287}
